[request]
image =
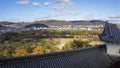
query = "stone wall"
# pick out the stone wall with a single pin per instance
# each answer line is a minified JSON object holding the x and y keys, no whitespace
{"x":113,"y":48}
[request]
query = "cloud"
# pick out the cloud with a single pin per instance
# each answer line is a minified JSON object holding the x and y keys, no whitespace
{"x":59,"y":8}
{"x":114,"y":17}
{"x":36,"y":4}
{"x":68,"y":2}
{"x":23,"y":2}
{"x":47,"y":15}
{"x":26,"y":2}
{"x":47,"y":3}
{"x":62,"y":5}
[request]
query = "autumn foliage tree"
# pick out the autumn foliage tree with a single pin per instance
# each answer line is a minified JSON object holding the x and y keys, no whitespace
{"x":79,"y":44}
{"x":75,"y":44}
{"x":6,"y":53}
{"x":68,"y":46}
{"x":20,"y":52}
{"x":38,"y":50}
{"x":24,"y":42}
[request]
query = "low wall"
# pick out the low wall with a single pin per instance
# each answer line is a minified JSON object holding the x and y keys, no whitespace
{"x":113,"y":48}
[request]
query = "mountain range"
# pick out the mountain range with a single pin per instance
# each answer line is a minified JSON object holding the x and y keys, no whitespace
{"x":55,"y":23}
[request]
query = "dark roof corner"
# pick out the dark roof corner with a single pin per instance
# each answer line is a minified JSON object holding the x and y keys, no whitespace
{"x":111,"y":34}
{"x":103,"y":47}
{"x":106,"y":21}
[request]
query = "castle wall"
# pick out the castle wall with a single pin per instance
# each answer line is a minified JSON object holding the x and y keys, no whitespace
{"x":113,"y":48}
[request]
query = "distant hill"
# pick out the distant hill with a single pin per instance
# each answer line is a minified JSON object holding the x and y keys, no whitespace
{"x":36,"y":25}
{"x":14,"y":23}
{"x":6,"y":23}
{"x":61,"y":22}
{"x":95,"y":21}
{"x":54,"y":22}
{"x":23,"y":23}
{"x":46,"y":23}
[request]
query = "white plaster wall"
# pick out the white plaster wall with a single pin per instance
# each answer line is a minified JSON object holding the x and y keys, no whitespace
{"x":113,"y":48}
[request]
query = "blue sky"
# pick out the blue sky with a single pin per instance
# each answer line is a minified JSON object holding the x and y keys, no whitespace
{"x":32,"y":10}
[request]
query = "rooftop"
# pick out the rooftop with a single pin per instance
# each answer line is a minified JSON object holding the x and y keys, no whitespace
{"x":111,"y":34}
{"x":93,"y":57}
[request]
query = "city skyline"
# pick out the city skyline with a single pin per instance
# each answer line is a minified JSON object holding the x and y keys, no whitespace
{"x":32,"y":10}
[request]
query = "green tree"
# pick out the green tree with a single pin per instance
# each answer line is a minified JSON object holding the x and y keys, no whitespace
{"x":79,"y":44}
{"x":54,"y":48}
{"x":68,"y":46}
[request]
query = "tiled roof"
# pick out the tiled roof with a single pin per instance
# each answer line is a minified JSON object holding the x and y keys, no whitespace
{"x":111,"y":34}
{"x":94,"y":57}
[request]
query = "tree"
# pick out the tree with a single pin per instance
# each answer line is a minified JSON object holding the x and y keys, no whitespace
{"x":54,"y":48}
{"x":6,"y":53}
{"x":20,"y":52}
{"x":68,"y":46}
{"x":38,"y":50}
{"x":49,"y":46}
{"x":79,"y":44}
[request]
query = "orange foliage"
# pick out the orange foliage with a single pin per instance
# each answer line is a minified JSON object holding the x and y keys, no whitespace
{"x":38,"y":50}
{"x":20,"y":52}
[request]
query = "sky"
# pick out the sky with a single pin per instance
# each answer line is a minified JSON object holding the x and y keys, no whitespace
{"x":36,"y":10}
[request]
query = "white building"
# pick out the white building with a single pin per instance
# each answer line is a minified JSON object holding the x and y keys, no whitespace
{"x":113,"y":49}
